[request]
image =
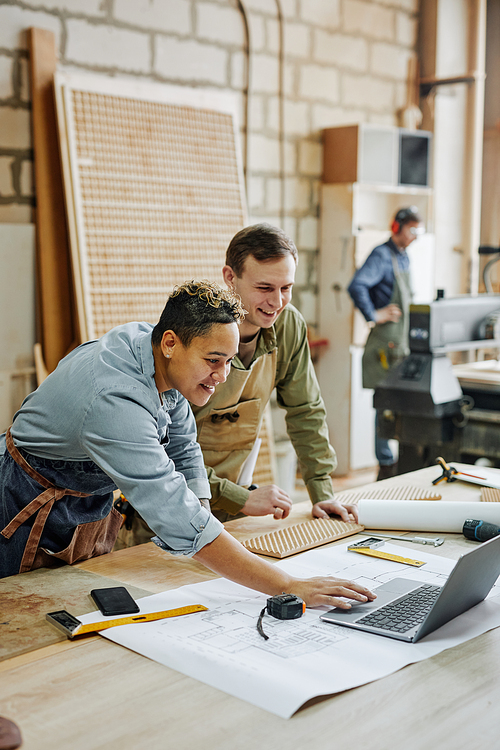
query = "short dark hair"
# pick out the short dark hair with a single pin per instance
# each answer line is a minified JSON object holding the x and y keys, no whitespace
{"x":263,"y":241}
{"x":194,"y":307}
{"x":405,"y":215}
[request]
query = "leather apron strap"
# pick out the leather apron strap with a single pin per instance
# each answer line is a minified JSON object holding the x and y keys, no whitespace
{"x":42,"y":504}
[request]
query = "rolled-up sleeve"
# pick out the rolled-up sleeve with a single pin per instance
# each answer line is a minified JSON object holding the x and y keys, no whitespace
{"x":120,"y":433}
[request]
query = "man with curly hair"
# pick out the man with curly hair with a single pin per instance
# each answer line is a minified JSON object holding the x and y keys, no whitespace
{"x":115,"y":413}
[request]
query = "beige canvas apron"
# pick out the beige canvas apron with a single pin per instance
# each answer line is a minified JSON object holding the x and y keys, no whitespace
{"x":230,"y":422}
{"x":89,"y":539}
{"x":387,"y":343}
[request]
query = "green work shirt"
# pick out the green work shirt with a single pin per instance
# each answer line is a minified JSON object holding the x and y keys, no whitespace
{"x":281,"y":360}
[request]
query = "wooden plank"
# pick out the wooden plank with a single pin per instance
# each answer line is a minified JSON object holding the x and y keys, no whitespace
{"x":26,"y":599}
{"x":57,"y":324}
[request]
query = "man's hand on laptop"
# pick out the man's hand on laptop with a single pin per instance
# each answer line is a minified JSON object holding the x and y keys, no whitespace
{"x":327,"y":508}
{"x":327,"y":591}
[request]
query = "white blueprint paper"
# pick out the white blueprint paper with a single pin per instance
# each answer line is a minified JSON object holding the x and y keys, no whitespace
{"x":303,"y":658}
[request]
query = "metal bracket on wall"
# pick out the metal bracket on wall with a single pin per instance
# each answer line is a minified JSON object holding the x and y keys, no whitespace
{"x":427,"y":84}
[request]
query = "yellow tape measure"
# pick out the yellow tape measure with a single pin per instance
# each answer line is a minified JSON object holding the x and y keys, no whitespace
{"x":148,"y":617}
{"x":387,"y":556}
{"x":73,"y":627}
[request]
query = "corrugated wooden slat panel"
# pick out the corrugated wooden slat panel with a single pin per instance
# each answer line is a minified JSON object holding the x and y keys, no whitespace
{"x":403,"y":492}
{"x":302,"y":536}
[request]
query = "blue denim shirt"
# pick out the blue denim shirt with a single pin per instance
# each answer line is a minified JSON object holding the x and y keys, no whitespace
{"x":372,"y":284}
{"x":101,"y":404}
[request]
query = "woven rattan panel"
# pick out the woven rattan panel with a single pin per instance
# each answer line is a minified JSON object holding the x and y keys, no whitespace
{"x":154,"y":196}
{"x":154,"y":192}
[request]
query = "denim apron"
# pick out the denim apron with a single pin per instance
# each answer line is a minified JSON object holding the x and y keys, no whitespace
{"x":45,"y":524}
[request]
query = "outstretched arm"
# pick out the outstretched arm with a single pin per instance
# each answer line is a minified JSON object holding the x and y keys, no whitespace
{"x":227,"y":557}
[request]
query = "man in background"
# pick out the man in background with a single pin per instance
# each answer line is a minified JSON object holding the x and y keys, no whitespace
{"x":381,"y":290}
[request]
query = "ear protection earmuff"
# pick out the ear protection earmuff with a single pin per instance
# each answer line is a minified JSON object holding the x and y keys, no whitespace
{"x":402,"y":216}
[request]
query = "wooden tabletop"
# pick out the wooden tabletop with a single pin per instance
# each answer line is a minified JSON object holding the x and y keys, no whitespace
{"x":96,"y":695}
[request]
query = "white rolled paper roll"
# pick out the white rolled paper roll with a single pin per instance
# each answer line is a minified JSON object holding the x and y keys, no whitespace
{"x":424,"y":515}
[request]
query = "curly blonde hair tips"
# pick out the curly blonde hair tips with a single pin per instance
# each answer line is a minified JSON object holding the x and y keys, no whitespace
{"x":212,"y":294}
{"x":194,"y":308}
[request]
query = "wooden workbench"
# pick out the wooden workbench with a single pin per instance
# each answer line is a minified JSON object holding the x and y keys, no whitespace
{"x":96,"y":695}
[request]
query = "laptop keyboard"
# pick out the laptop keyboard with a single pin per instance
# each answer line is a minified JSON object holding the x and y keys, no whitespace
{"x":405,"y":613}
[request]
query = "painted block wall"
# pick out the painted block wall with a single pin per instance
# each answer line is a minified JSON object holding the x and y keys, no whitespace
{"x":345,"y":62}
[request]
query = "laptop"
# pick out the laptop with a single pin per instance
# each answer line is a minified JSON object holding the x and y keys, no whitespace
{"x":408,"y":610}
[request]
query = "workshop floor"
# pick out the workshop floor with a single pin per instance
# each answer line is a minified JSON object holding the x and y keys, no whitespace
{"x":347,"y":482}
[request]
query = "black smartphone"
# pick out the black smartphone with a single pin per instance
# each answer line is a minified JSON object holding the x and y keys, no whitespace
{"x":114,"y":601}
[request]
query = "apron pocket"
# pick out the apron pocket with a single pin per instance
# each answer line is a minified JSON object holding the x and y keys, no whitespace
{"x":89,"y":540}
{"x":231,"y":428}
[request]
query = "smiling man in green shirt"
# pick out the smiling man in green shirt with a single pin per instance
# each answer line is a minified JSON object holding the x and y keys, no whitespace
{"x":260,"y":266}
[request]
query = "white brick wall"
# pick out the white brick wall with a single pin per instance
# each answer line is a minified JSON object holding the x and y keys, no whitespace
{"x":216,"y":23}
{"x":6,"y":83}
{"x":406,"y":30}
{"x":297,"y":40}
{"x":15,"y":128}
{"x":264,"y":153}
{"x":181,"y":60}
{"x":112,"y":47}
{"x":340,"y":50}
{"x":322,"y":13}
{"x":161,"y":15}
{"x":296,"y":117}
{"x":310,"y":158}
{"x":24,"y":92}
{"x":308,"y":234}
{"x":15,"y":213}
{"x":308,"y":303}
{"x":26,"y":178}
{"x":257,"y":26}
{"x":14,"y":21}
{"x":264,"y":74}
{"x":369,"y":19}
{"x":375,"y":94}
{"x":319,"y":83}
{"x":390,"y":61}
{"x":6,"y":186}
{"x":329,"y":117}
{"x":345,"y":62}
{"x":87,"y":7}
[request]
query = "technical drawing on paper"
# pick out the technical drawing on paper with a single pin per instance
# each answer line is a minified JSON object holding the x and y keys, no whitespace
{"x":232,"y":628}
